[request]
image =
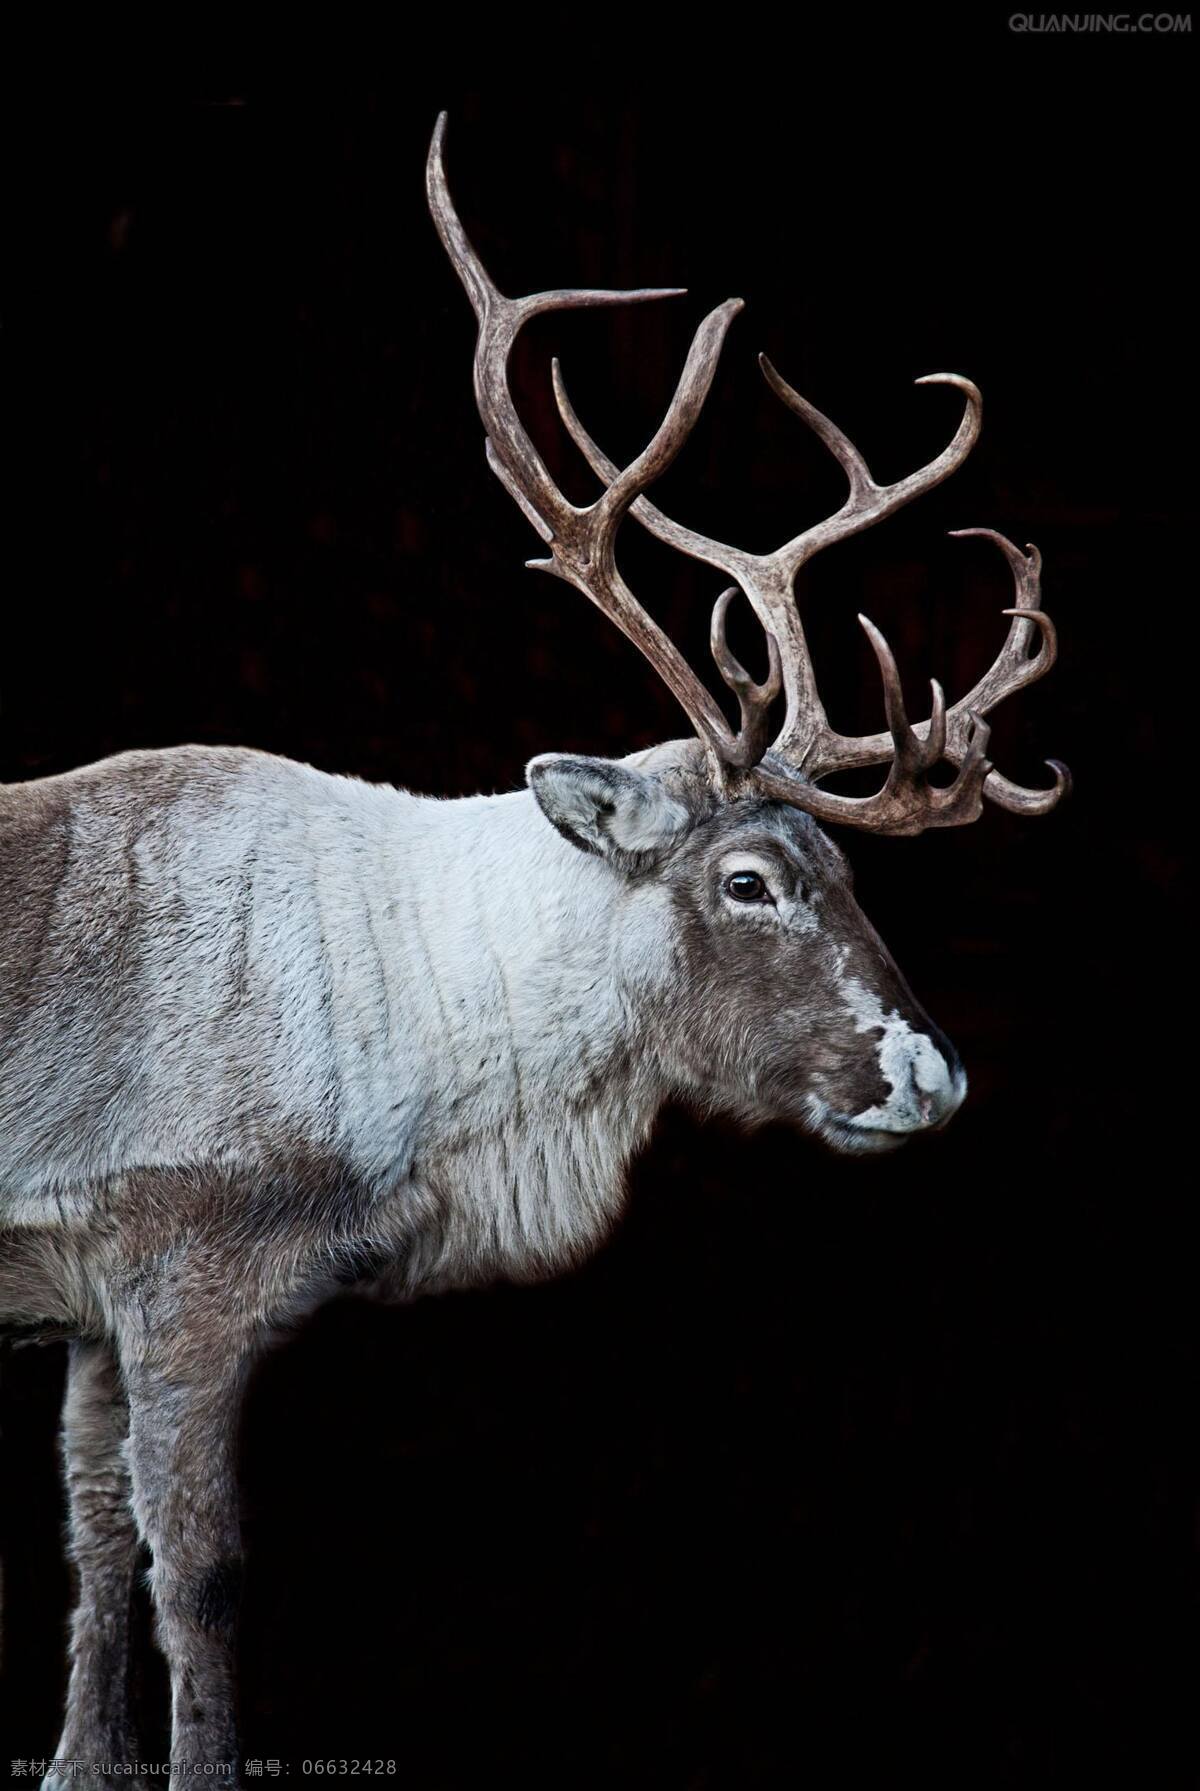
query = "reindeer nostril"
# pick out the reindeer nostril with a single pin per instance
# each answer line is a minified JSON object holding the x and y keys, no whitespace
{"x":925,"y":1105}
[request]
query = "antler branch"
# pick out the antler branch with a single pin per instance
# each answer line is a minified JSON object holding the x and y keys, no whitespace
{"x":582,"y":540}
{"x":958,"y":735}
{"x":768,"y":579}
{"x":807,"y":748}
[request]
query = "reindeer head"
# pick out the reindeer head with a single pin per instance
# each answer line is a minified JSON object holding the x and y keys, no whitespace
{"x":804,"y":1013}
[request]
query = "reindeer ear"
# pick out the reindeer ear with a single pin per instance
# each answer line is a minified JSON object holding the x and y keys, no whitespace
{"x":607,"y":808}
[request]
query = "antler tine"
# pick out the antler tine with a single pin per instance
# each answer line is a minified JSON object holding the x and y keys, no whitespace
{"x":754,"y":700}
{"x":1013,"y":668}
{"x":694,"y":385}
{"x":868,"y":503}
{"x":581,"y":540}
{"x":512,"y":455}
{"x":906,"y":748}
{"x":911,"y":751}
{"x":699,"y":547}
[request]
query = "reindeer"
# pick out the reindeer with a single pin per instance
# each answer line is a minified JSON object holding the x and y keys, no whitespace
{"x":269,"y":1033}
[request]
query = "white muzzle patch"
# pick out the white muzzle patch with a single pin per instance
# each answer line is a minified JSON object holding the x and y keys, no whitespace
{"x":925,"y":1091}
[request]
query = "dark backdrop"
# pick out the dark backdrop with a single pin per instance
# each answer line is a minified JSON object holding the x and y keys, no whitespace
{"x":821,"y":1471}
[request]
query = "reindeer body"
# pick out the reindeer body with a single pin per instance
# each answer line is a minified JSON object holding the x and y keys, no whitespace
{"x":224,"y":966}
{"x":266,"y":1033}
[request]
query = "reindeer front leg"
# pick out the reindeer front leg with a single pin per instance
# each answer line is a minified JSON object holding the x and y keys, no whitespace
{"x":183,"y":1407}
{"x":103,"y":1545}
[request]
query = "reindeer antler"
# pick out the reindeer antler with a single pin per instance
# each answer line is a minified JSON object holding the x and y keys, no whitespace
{"x":581,"y":540}
{"x":807,"y":748}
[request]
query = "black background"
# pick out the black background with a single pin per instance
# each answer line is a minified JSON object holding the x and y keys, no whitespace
{"x":822,"y":1471}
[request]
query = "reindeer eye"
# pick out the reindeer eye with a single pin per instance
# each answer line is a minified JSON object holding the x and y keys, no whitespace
{"x":746,"y":886}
